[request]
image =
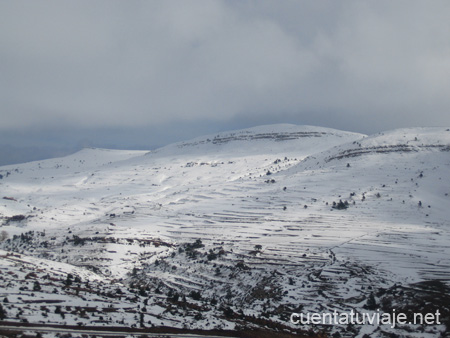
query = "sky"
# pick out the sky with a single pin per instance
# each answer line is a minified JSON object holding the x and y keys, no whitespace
{"x":141,"y":74}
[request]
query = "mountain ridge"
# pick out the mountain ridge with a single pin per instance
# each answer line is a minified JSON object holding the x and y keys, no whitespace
{"x":219,"y":235}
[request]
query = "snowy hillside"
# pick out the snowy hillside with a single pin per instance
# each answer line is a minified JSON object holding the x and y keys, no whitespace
{"x":234,"y":230}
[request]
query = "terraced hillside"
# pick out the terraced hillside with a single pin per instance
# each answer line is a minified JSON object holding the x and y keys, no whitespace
{"x":232,"y":231}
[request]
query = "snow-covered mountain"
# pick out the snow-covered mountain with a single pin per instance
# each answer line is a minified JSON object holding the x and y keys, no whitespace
{"x":233,"y":230}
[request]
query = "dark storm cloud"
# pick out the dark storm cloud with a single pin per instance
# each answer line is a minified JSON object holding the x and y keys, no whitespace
{"x":124,"y":65}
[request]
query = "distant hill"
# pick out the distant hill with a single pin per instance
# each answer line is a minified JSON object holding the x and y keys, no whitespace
{"x":233,"y":230}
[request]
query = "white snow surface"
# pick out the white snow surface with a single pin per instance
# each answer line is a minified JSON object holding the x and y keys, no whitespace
{"x":269,"y":186}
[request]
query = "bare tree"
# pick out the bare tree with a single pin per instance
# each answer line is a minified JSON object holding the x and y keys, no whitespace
{"x":3,"y":235}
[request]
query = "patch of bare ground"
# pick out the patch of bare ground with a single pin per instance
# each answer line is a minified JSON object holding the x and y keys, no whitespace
{"x":419,"y":298}
{"x":385,"y":150}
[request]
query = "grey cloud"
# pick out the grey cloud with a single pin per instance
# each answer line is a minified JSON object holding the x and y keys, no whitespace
{"x":115,"y":64}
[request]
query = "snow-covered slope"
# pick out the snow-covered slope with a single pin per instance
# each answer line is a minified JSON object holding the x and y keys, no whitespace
{"x":270,"y":139}
{"x":229,"y":229}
